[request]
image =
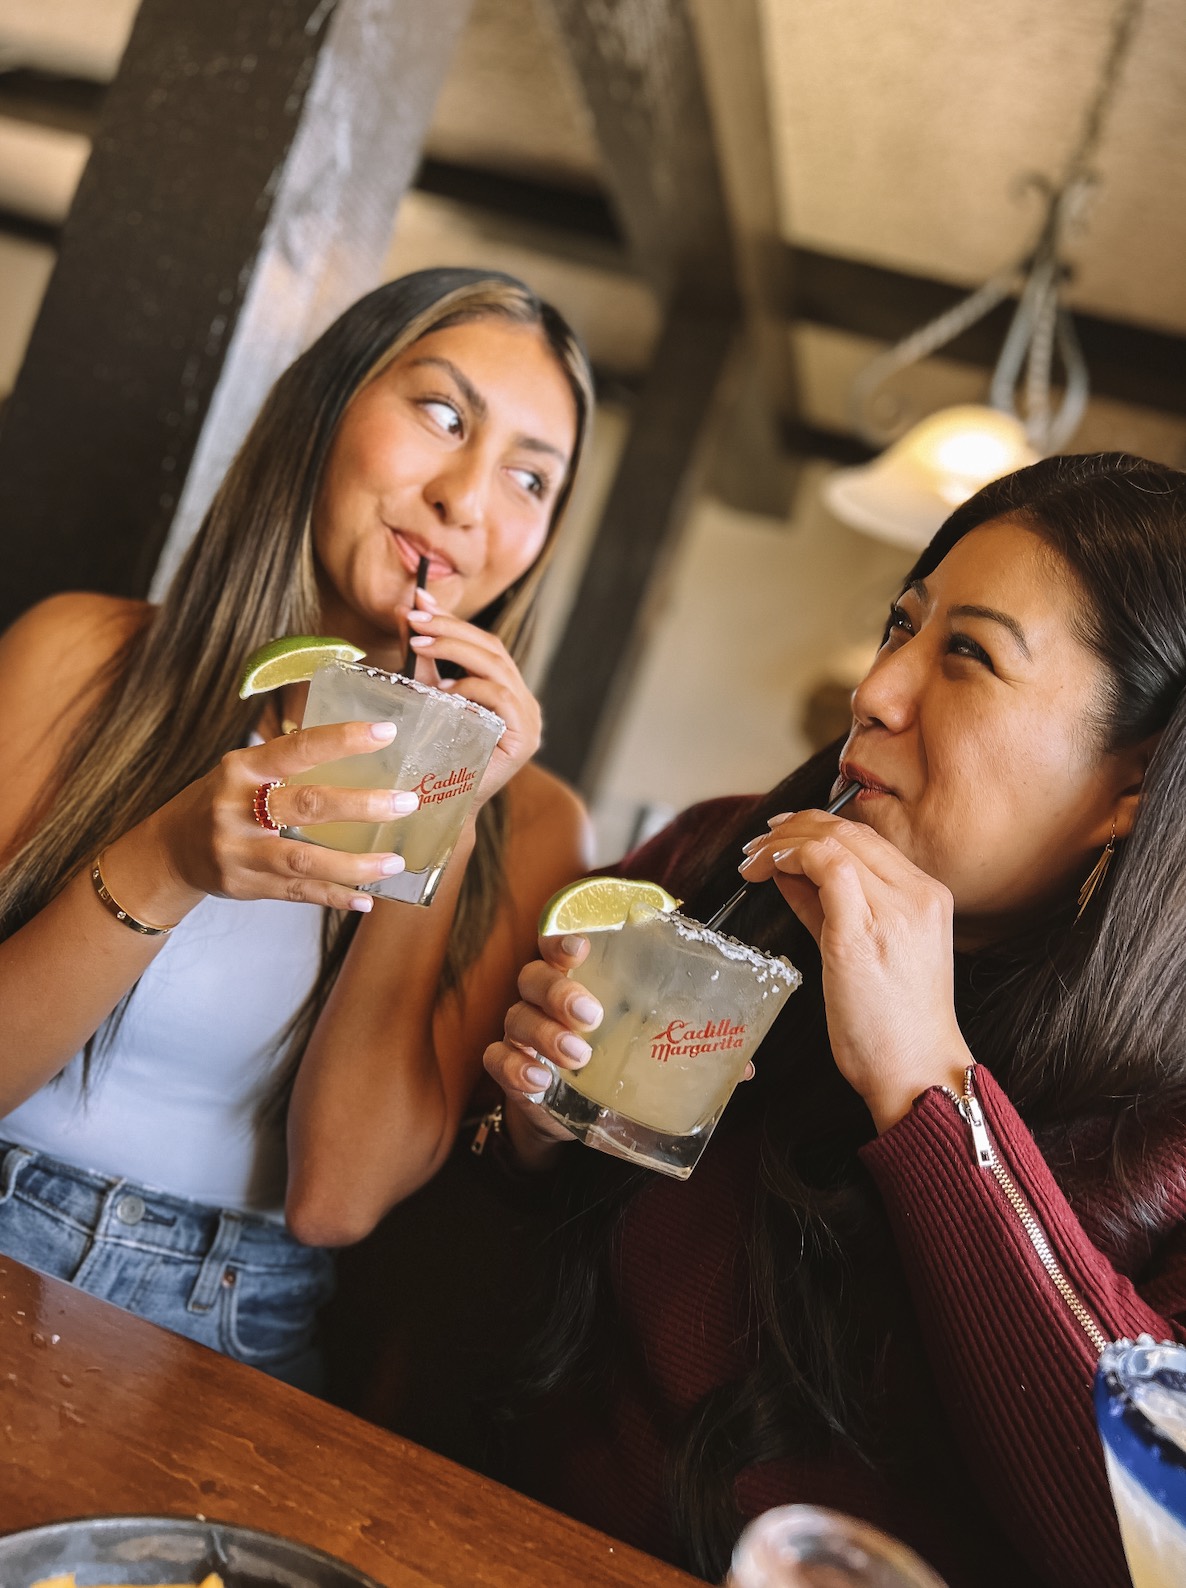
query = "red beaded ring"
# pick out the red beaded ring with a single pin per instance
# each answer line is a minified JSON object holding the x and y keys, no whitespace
{"x":259,"y":805}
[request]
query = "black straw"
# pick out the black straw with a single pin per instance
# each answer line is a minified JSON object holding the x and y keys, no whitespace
{"x":421,"y":579}
{"x":726,"y":909}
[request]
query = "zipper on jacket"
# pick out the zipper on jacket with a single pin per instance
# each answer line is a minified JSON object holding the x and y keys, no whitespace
{"x":986,"y":1158}
{"x":489,"y":1124}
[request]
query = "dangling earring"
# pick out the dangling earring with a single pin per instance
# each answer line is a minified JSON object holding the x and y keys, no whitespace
{"x":1098,"y":872}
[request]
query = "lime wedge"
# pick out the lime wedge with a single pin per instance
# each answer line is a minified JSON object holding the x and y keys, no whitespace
{"x":292,"y":660}
{"x":600,"y":904}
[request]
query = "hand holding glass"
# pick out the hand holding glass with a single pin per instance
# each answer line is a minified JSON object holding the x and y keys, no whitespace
{"x":685,"y":1009}
{"x":441,"y":748}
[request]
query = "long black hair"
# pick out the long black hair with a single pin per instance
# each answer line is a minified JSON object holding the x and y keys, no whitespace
{"x":1081,"y":1021}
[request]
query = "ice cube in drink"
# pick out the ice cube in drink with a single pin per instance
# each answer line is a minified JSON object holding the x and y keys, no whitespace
{"x":442,"y":745}
{"x":685,"y":1008}
{"x":1140,"y":1405}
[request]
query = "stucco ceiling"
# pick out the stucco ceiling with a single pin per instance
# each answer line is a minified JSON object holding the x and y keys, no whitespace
{"x":900,"y":132}
{"x":511,"y":102}
{"x":903,"y":135}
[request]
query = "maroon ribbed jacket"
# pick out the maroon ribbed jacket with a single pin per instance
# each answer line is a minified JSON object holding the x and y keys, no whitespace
{"x":989,"y":1372}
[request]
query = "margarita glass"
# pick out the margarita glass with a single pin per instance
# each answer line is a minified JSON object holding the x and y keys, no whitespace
{"x":806,"y":1546}
{"x":685,"y":1009}
{"x":1140,"y":1406}
{"x":442,"y":745}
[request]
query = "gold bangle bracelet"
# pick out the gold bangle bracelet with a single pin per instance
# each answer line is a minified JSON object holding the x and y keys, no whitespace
{"x":117,"y":909}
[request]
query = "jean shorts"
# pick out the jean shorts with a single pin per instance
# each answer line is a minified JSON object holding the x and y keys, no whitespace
{"x":229,"y":1280}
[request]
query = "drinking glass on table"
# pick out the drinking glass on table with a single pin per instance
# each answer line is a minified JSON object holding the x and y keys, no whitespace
{"x":685,"y":1008}
{"x":1140,"y":1406}
{"x":806,"y":1546}
{"x":441,"y":748}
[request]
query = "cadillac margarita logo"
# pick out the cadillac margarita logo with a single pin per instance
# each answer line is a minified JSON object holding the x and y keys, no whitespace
{"x":433,"y":789}
{"x":682,"y":1040}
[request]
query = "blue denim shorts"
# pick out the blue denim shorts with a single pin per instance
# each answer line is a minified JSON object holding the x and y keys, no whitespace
{"x":229,"y":1280}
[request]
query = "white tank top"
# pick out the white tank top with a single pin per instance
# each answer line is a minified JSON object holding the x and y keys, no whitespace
{"x":173,"y":1101}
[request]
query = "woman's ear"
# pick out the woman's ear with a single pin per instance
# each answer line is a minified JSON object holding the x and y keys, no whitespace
{"x":1133,"y":764}
{"x":1125,"y":813}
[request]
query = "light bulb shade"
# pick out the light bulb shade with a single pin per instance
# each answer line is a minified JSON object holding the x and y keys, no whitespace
{"x":905,"y":494}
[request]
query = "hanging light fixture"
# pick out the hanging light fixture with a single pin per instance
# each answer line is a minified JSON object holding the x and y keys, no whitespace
{"x":905,"y":494}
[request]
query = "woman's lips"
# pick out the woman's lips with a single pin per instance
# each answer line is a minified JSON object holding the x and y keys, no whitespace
{"x":870,"y":787}
{"x":411,"y":550}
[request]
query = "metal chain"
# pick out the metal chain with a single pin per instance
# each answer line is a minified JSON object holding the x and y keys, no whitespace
{"x":1040,"y":324}
{"x":1124,"y":26}
{"x":921,"y":344}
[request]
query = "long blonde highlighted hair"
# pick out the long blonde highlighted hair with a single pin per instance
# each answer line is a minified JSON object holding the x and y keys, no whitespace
{"x":166,"y":707}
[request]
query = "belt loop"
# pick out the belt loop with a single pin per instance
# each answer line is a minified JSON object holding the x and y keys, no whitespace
{"x":226,"y":1238}
{"x":13,"y":1161}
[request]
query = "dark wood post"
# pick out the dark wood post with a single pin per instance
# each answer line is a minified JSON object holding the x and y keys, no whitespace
{"x":662,"y":465}
{"x":638,"y":65}
{"x":246,"y":171}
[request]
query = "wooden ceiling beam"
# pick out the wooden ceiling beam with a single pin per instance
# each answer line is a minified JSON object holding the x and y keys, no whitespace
{"x":1132,"y":363}
{"x":246,"y":170}
{"x":578,"y":212}
{"x":68,"y":104}
{"x":638,"y":65}
{"x":730,"y":47}
{"x":596,"y":659}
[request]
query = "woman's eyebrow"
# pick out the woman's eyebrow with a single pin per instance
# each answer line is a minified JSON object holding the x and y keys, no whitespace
{"x":462,"y":381}
{"x":993,"y":616}
{"x":479,"y":406}
{"x":918,"y":589}
{"x":533,"y":444}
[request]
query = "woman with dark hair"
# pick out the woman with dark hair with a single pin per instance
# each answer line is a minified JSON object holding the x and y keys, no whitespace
{"x":961,"y":1166}
{"x":218,"y":1059}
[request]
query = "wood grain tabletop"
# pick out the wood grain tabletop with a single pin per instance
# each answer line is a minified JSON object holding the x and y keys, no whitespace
{"x":102,"y":1413}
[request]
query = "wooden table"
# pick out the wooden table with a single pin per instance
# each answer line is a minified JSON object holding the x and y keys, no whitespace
{"x":102,"y":1414}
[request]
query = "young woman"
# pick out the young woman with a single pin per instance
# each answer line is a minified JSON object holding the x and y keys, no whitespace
{"x":155,"y":1058}
{"x":961,"y":1166}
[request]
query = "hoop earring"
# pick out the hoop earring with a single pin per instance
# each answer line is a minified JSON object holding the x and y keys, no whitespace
{"x":1098,"y":872}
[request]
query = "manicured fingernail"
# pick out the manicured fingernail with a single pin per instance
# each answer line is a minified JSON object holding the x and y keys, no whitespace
{"x":586,"y":1010}
{"x":383,"y":731}
{"x":419,"y":615}
{"x":573,"y":1048}
{"x":420,"y":642}
{"x":571,"y":945}
{"x":781,"y":817}
{"x":748,"y":849}
{"x":362,"y":904}
{"x":423,"y":593}
{"x":392,"y":866}
{"x":746,"y":863}
{"x":536,"y":1076}
{"x":403,"y":801}
{"x":781,"y":854}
